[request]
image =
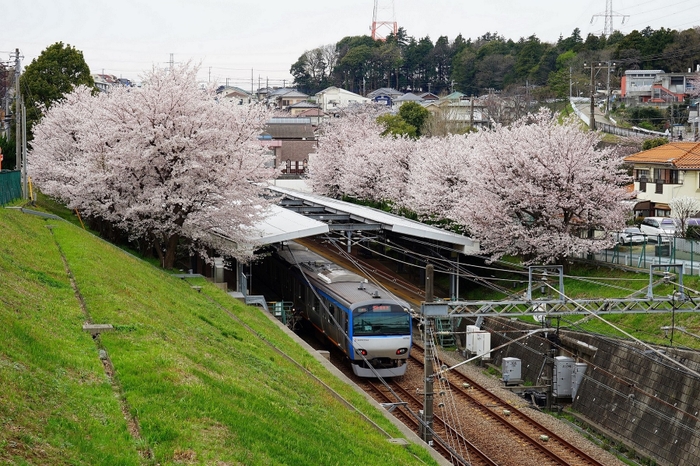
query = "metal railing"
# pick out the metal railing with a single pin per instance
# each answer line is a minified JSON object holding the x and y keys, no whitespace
{"x":674,"y":251}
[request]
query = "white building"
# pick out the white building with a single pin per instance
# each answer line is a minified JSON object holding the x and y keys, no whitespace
{"x":334,"y":98}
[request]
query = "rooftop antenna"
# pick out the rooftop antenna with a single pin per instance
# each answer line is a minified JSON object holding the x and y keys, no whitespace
{"x":609,"y":13}
{"x":383,"y":19}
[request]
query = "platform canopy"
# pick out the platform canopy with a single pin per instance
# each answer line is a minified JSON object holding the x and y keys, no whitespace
{"x":285,"y":225}
{"x":339,"y":215}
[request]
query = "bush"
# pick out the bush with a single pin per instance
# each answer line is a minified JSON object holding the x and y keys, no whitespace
{"x":654,"y":142}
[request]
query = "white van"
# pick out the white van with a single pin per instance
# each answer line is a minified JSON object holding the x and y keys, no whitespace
{"x":656,"y":228}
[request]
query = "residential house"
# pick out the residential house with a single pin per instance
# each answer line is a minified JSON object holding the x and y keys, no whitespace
{"x":104,"y":82}
{"x":234,"y":94}
{"x":284,"y":98}
{"x":301,"y":107}
{"x":425,"y":96}
{"x":333,"y":99}
{"x":458,"y":110}
{"x":385,"y":95}
{"x":664,"y":173}
{"x":407,"y":97}
{"x":291,"y":140}
{"x":655,"y":87}
{"x":315,"y":114}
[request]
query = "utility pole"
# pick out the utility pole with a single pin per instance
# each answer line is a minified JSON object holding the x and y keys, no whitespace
{"x":18,"y":112}
{"x":607,"y":97}
{"x":25,"y":188}
{"x":471,"y":111}
{"x":601,"y":66}
{"x":428,"y":395}
{"x":591,"y":122}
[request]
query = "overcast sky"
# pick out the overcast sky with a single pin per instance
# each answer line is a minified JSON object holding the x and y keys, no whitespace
{"x":237,"y":40}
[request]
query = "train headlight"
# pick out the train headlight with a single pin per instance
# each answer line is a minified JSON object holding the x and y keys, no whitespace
{"x":363,"y":352}
{"x":401,"y":351}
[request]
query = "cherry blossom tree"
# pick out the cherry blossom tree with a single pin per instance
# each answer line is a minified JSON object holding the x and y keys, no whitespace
{"x":540,"y":188}
{"x":354,"y":159}
{"x":163,"y":162}
{"x":439,"y":171}
{"x":694,"y":88}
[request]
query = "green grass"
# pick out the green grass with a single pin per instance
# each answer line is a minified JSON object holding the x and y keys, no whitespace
{"x":585,"y":281}
{"x":204,"y":387}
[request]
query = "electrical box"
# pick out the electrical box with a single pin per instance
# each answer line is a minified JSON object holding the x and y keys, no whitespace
{"x":482,"y":344}
{"x":562,"y":373}
{"x":469,"y":341}
{"x":577,"y":377}
{"x":511,"y":370}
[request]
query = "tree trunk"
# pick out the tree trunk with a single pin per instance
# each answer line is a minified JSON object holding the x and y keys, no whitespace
{"x":171,"y":251}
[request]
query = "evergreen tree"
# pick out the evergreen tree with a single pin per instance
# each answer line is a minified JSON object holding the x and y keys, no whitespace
{"x":53,"y":74}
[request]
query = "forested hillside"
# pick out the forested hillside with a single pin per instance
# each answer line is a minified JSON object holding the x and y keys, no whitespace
{"x":492,"y":63}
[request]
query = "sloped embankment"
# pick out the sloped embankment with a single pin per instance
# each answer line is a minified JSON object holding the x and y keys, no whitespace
{"x":178,"y":381}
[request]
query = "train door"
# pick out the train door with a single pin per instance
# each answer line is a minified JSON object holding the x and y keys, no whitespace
{"x":335,"y":325}
{"x":314,"y":309}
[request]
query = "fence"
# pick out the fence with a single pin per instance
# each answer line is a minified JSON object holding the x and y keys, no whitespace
{"x":676,"y":251}
{"x":10,"y":186}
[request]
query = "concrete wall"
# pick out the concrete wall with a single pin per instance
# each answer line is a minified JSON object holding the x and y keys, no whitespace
{"x":632,"y":394}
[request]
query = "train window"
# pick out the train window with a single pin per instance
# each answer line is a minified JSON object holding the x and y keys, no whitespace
{"x":387,"y":319}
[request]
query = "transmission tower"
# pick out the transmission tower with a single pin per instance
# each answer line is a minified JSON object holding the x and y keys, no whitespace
{"x":383,"y":19}
{"x":609,"y":14}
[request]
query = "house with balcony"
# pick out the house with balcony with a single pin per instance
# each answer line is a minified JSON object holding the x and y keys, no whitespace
{"x":284,"y":98}
{"x":458,"y":110}
{"x":664,"y":173}
{"x":655,"y":87}
{"x":291,"y":140}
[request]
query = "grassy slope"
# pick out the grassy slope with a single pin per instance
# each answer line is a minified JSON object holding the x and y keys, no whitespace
{"x":603,"y":281}
{"x":203,"y":388}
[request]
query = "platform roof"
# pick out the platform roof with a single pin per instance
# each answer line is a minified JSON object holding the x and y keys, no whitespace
{"x":285,"y":225}
{"x":345,"y":215}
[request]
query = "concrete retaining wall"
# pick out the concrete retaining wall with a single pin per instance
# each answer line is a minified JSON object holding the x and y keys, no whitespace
{"x":635,"y":395}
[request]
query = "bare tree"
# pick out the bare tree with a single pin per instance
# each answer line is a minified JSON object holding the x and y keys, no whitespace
{"x":682,"y":208}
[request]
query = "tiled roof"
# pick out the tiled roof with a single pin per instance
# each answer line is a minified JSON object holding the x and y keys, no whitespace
{"x":408,"y":97}
{"x":312,"y":112}
{"x":290,"y":131}
{"x":390,"y":91}
{"x":683,"y":155}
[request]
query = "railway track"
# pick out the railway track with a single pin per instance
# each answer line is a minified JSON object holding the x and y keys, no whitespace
{"x":491,"y":431}
{"x":511,"y":425}
{"x":407,"y":412}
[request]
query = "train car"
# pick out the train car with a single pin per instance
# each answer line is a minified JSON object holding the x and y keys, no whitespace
{"x":369,"y":324}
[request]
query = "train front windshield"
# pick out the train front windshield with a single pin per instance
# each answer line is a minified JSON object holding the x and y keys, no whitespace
{"x":380,"y":319}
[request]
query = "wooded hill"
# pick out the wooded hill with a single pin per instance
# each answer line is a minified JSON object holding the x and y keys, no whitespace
{"x":492,"y":63}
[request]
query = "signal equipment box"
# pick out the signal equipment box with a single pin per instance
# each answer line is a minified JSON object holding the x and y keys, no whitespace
{"x":562,"y":376}
{"x":511,"y":370}
{"x":577,"y":377}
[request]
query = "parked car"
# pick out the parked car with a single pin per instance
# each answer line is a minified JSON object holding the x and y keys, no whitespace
{"x":658,"y":228}
{"x":631,"y":235}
